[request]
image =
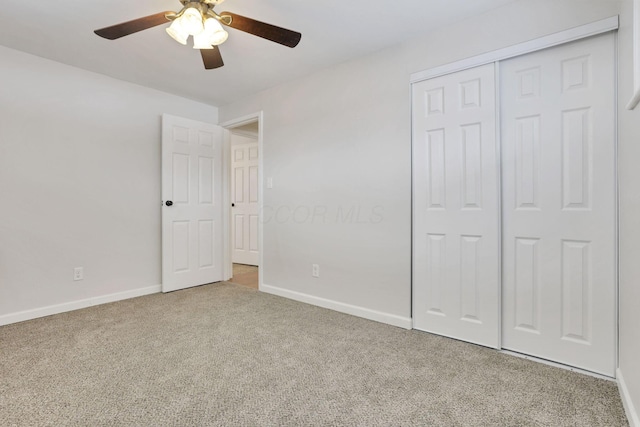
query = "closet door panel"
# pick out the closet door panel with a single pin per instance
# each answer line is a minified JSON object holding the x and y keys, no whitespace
{"x":456,"y":278}
{"x":558,"y":164}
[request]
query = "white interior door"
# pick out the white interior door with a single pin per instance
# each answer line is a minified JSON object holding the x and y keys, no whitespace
{"x":558,"y":139}
{"x":456,"y":259}
{"x":192,"y":209}
{"x":244,"y":190}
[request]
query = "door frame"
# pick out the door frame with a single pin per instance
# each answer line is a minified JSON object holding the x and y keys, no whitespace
{"x":228,"y":126}
{"x":573,"y":34}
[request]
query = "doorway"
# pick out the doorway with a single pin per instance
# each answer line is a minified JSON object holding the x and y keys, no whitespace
{"x":243,"y":147}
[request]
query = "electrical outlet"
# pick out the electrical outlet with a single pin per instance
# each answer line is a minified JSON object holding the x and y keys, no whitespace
{"x":315,"y":270}
{"x":269,"y":182}
{"x":78,"y":273}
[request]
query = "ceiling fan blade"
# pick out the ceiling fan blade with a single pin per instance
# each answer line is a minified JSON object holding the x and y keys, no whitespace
{"x":124,"y":29}
{"x":212,"y":58}
{"x":261,"y":29}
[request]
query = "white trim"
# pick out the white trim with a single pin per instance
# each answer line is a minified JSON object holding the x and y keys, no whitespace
{"x":378,"y":316}
{"x":21,"y":316}
{"x":629,"y":409}
{"x":616,"y":225}
{"x":498,"y":134}
{"x":592,"y":29}
{"x":243,"y":120}
{"x":226,"y":200}
{"x":227,"y":261}
{"x":635,"y":99}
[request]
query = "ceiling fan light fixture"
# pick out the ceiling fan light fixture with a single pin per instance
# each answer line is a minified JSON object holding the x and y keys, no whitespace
{"x":177,"y":32}
{"x":213,"y":35}
{"x":197,"y":19}
{"x":191,"y":21}
{"x":214,"y":31}
{"x":201,"y":41}
{"x":219,"y":38}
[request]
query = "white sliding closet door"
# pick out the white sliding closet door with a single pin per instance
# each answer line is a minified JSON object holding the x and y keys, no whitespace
{"x":456,"y":278}
{"x":558,"y":156}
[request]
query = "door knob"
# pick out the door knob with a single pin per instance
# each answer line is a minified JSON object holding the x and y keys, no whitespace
{"x":169,"y":203}
{"x":233,"y":205}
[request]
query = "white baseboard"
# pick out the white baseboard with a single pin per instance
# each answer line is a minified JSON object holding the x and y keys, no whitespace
{"x":629,"y":408}
{"x":21,"y":316}
{"x":378,"y":316}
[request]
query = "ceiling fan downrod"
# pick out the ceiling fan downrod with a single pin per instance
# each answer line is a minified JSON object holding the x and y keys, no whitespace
{"x":206,"y":10}
{"x":210,"y":3}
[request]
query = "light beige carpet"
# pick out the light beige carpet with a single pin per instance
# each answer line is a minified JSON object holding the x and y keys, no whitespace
{"x":228,"y":355}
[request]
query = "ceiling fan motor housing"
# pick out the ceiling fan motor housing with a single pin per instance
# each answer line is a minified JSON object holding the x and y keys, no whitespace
{"x":207,"y":2}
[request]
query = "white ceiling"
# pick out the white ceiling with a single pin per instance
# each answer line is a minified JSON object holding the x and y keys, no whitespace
{"x":332,"y":32}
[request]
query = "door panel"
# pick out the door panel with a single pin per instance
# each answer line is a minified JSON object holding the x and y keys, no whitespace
{"x":192,"y":181}
{"x":456,"y":260}
{"x":558,"y":156}
{"x":245,"y":193}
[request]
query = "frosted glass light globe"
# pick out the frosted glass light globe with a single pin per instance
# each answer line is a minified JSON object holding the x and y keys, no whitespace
{"x":212,"y":35}
{"x":191,"y":21}
{"x":176,"y":31}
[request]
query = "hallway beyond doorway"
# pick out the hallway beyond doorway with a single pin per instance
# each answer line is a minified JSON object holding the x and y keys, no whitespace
{"x":245,"y":275}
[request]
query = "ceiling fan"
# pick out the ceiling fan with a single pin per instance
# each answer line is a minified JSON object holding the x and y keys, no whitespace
{"x":197,"y":19}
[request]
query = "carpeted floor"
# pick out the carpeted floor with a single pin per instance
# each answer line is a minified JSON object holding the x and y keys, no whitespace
{"x":228,"y":355}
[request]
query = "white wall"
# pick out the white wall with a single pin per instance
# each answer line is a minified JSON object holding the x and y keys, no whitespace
{"x":629,"y":176}
{"x":341,"y":139}
{"x":338,"y":153}
{"x":79,"y":182}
